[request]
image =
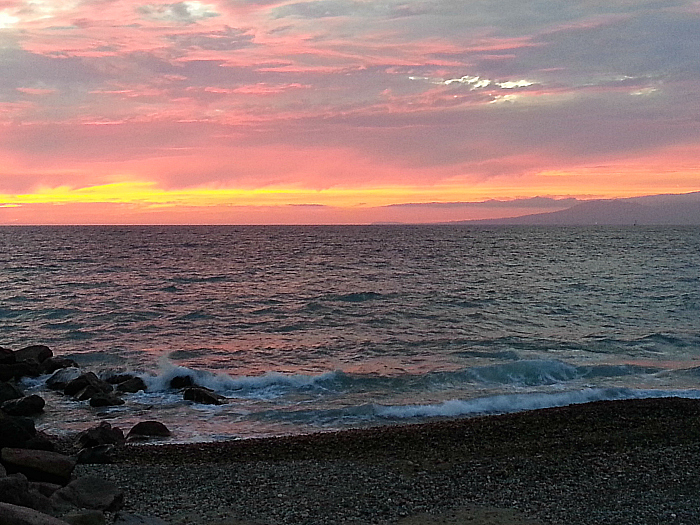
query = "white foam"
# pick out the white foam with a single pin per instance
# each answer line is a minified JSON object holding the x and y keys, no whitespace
{"x":502,"y":404}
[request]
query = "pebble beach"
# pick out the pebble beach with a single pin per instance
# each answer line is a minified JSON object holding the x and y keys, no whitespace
{"x":610,"y":462}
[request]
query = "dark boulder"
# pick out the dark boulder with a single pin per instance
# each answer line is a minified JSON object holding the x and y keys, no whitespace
{"x":86,"y":384}
{"x":105,"y":400}
{"x":19,"y":370}
{"x":15,"y":431}
{"x":24,"y":406}
{"x":90,"y":492}
{"x":9,"y":391}
{"x":102,"y":434}
{"x":122,"y":518}
{"x":17,"y":490}
{"x":34,"y":353}
{"x":85,"y":517}
{"x":148,"y":429}
{"x":17,"y":515}
{"x":38,"y":465}
{"x":114,"y":378}
{"x":62,"y":377}
{"x":178,"y":382}
{"x":56,"y":363}
{"x":132,"y":385}
{"x":203,"y":395}
{"x":7,"y":356}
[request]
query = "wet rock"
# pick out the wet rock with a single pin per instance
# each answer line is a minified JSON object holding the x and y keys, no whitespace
{"x":115,"y":378}
{"x":34,"y":353}
{"x":105,"y":400}
{"x":7,"y":356}
{"x":85,"y":517}
{"x":90,"y":492}
{"x":19,"y":370}
{"x":203,"y":395}
{"x":62,"y":377}
{"x":57,"y":363}
{"x":102,"y":434}
{"x":100,"y":454}
{"x":178,"y":382}
{"x":16,"y":515}
{"x":47,"y":489}
{"x":86,"y":385}
{"x":38,"y":465}
{"x":9,"y":391}
{"x":15,"y":431}
{"x":132,"y":385}
{"x":25,"y":406}
{"x":122,"y":518}
{"x":148,"y":429}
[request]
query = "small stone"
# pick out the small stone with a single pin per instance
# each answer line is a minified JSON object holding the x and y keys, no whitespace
{"x":105,"y":400}
{"x":85,"y":517}
{"x":203,"y":395}
{"x":122,"y":518}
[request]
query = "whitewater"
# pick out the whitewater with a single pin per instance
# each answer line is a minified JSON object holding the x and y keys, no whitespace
{"x":307,"y":329}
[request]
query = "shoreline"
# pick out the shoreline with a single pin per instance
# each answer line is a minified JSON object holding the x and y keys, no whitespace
{"x":617,"y":462}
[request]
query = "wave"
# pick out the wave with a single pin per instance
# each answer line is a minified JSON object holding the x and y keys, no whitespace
{"x":513,"y":374}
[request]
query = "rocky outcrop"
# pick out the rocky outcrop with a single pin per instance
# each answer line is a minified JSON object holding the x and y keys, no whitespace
{"x":90,"y":492}
{"x":38,"y":465}
{"x":34,"y":354}
{"x":60,"y":378}
{"x":85,"y":386}
{"x":203,"y":395}
{"x":17,"y":515}
{"x":132,"y":385}
{"x":16,"y":431}
{"x":9,"y":391}
{"x":146,"y":430}
{"x":24,"y":406}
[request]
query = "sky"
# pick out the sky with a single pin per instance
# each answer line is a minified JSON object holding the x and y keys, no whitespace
{"x":341,"y":111}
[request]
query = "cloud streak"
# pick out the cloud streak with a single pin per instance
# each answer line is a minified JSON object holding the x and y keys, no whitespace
{"x":459,"y":101}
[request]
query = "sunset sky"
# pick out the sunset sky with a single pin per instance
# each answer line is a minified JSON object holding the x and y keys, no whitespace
{"x":341,"y":111}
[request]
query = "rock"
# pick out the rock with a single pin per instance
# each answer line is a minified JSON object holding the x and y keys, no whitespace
{"x":7,"y":356}
{"x":105,"y":400}
{"x":47,"y":489}
{"x":90,"y":492}
{"x":15,"y":431}
{"x":25,"y":406}
{"x":62,"y":377}
{"x":102,"y":434}
{"x":19,"y":370}
{"x":15,"y":489}
{"x":57,"y":363}
{"x":100,"y":454}
{"x":148,"y":429}
{"x":203,"y":395}
{"x":85,"y":517}
{"x":3,"y":472}
{"x":9,"y":391}
{"x":34,"y":353}
{"x":122,"y":518}
{"x":114,"y":378}
{"x":38,"y":465}
{"x":86,"y":383}
{"x":178,"y":382}
{"x":132,"y":385}
{"x":16,"y":515}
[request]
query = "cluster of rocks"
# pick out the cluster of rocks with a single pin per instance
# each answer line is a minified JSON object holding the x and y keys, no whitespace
{"x":37,"y":482}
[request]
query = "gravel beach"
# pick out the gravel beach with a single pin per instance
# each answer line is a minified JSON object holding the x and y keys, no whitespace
{"x":616,"y":462}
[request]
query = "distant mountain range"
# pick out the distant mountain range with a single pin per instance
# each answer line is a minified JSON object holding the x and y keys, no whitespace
{"x":653,"y":210}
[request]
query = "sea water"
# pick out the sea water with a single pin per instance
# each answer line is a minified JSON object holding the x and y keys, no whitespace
{"x":308,"y":329}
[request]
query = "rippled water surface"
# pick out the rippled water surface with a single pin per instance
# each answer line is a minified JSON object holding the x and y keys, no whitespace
{"x":308,"y":328}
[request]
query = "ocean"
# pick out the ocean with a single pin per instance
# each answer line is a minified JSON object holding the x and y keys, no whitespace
{"x":308,"y":329}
